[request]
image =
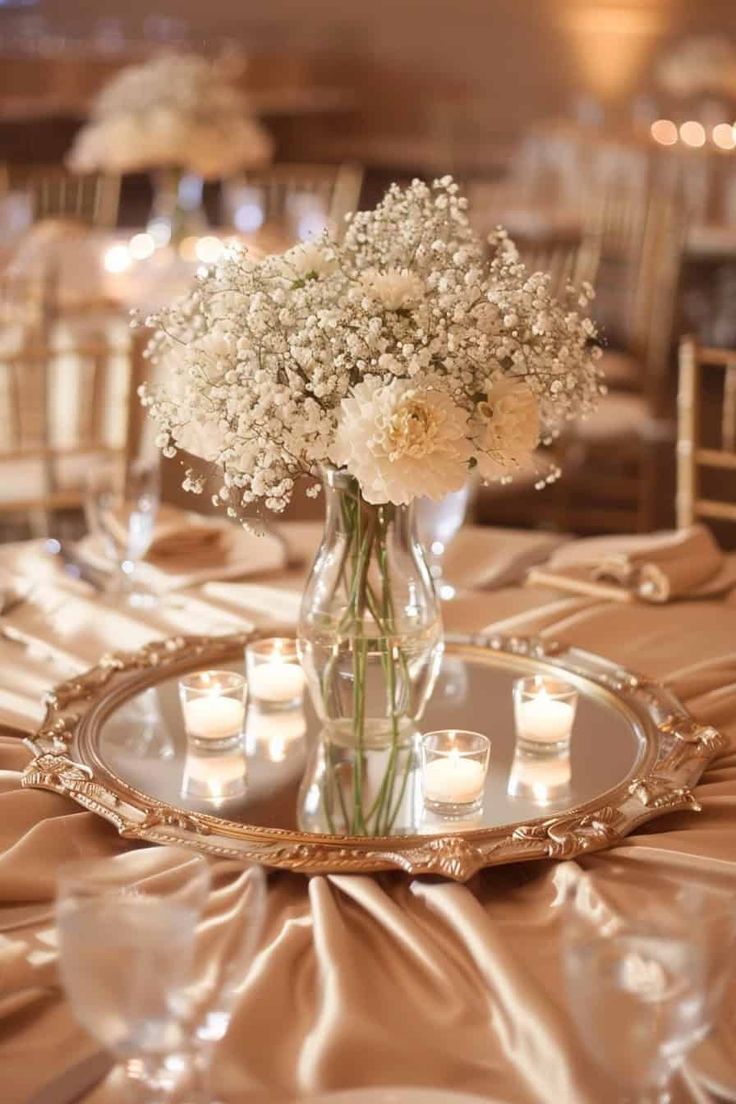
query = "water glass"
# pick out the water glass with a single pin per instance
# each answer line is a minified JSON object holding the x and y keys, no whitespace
{"x":127,"y":931}
{"x":439,"y":523}
{"x":225,"y":951}
{"x":644,"y":968}
{"x":121,"y":506}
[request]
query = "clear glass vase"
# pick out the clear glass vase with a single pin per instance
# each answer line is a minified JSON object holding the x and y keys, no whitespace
{"x":370,"y":643}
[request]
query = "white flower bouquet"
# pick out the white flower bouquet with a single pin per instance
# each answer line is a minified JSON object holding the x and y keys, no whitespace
{"x":390,"y":365}
{"x":176,"y":111}
{"x":405,"y":355}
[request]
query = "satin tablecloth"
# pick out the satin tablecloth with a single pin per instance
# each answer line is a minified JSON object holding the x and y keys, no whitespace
{"x":360,"y":980}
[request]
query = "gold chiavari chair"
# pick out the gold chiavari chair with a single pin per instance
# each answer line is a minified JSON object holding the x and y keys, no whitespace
{"x":92,"y":198}
{"x":615,"y":460}
{"x":293,"y":198}
{"x":706,"y":435}
{"x":63,"y":407}
{"x":566,"y":263}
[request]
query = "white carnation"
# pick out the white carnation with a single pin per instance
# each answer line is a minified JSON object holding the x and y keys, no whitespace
{"x":395,"y":290}
{"x":507,"y":427}
{"x":400,"y":442}
{"x":308,"y":259}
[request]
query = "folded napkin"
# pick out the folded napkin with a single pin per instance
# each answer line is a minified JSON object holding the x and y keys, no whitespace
{"x":657,"y":567}
{"x":188,"y":549}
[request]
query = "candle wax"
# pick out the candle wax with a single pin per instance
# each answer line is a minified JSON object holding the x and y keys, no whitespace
{"x":545,"y":720}
{"x":276,"y":681}
{"x":213,"y":717}
{"x":453,"y":779}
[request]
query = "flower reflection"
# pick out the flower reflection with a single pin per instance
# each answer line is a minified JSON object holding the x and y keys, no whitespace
{"x":544,"y":780}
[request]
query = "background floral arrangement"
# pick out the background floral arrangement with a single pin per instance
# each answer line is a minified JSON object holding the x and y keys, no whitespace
{"x":176,"y":111}
{"x":407,"y":355}
{"x":700,"y":65}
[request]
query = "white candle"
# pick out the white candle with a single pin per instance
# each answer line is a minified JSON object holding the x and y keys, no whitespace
{"x":453,"y":779}
{"x":276,"y":681}
{"x":544,"y":720}
{"x":213,"y":717}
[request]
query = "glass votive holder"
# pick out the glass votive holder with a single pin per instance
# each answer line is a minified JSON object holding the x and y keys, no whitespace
{"x":213,"y":707}
{"x":214,"y":775}
{"x":541,"y":779}
{"x":275,"y":676}
{"x":544,"y":712}
{"x":454,"y":769}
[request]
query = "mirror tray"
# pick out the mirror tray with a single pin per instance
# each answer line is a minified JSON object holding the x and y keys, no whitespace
{"x":113,"y":740}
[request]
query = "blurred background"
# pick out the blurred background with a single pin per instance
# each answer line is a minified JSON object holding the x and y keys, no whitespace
{"x":600,"y":132}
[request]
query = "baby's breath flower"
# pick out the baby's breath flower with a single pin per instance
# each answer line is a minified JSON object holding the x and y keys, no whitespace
{"x":439,"y":353}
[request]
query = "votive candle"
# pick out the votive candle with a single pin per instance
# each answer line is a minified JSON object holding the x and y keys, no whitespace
{"x":213,"y":706}
{"x":544,"y":712}
{"x":454,"y":768}
{"x":275,"y":677}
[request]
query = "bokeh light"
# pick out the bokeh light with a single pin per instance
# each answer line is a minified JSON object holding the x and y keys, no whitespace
{"x":693,"y":134}
{"x":117,"y":258}
{"x":664,"y":131}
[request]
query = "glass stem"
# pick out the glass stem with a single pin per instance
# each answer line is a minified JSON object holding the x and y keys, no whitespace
{"x":161,"y":1080}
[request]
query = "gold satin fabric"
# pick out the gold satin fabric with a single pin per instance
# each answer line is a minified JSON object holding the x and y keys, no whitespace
{"x":360,"y":980}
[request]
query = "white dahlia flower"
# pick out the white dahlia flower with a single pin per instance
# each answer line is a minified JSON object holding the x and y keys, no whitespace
{"x":400,"y":441}
{"x":507,"y":427}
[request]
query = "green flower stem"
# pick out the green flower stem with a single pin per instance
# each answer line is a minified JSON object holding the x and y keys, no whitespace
{"x":366,"y":543}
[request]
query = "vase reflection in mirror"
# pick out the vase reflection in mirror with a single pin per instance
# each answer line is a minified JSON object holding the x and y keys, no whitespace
{"x":370,"y":643}
{"x":382,"y":784}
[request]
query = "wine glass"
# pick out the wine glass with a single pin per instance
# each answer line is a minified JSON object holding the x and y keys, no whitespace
{"x":644,"y":985}
{"x":122,"y":506}
{"x":224,"y":952}
{"x":127,"y":931}
{"x":439,"y":523}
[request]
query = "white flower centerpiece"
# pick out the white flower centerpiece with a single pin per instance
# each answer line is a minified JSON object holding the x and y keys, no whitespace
{"x":388,"y":366}
{"x":174,"y":114}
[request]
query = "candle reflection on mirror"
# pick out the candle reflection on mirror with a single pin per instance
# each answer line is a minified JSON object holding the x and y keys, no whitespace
{"x":544,"y":780}
{"x":214,"y":777}
{"x":274,"y":736}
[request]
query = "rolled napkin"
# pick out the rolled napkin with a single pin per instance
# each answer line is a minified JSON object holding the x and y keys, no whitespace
{"x":179,"y":535}
{"x":188,"y":549}
{"x":656,"y":567}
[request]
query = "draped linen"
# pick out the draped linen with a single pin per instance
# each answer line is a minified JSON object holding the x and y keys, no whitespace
{"x":359,"y":981}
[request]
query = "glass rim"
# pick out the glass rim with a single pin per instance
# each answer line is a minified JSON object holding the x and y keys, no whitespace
{"x":483,"y":741}
{"x":227,"y":681}
{"x":96,"y":872}
{"x":265,"y":647}
{"x":531,"y":684}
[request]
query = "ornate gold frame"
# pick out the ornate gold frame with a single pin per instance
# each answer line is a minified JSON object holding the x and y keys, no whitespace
{"x":676,"y":750}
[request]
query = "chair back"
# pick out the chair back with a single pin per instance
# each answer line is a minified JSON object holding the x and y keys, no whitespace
{"x":56,"y":193}
{"x":302,"y":200}
{"x":706,"y":434}
{"x":65,"y":403}
{"x":640,"y":247}
{"x":566,"y":263}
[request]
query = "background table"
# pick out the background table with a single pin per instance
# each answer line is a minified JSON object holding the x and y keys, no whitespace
{"x":361,"y":980}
